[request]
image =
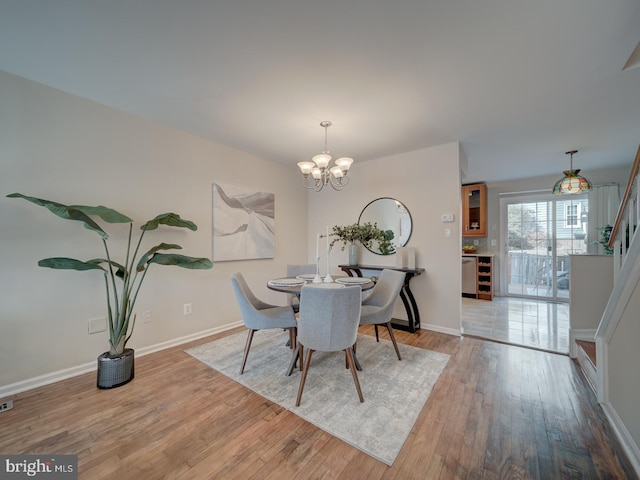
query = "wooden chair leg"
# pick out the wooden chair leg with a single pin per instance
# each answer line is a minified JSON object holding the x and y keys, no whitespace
{"x":301,"y":355}
{"x":303,"y":377}
{"x":294,"y":359}
{"x":247,"y":346}
{"x":393,"y":339}
{"x":346,"y":360}
{"x":349,"y":353}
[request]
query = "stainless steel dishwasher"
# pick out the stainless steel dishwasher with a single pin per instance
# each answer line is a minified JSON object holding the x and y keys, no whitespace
{"x":469,"y":276}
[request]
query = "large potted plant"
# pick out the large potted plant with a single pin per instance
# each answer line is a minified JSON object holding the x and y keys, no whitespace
{"x":122,"y":280}
{"x":368,"y":234}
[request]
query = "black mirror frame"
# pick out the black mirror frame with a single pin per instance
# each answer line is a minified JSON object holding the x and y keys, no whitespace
{"x":408,"y":213}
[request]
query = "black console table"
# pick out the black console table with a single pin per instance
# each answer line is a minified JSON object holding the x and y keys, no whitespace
{"x":408,"y":300}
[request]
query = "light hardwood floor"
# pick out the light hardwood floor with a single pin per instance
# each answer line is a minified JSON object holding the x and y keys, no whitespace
{"x":497,"y":411}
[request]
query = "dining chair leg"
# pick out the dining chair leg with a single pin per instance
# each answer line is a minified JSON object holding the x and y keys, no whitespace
{"x":294,"y":359}
{"x":375,"y":327}
{"x":247,"y":346}
{"x":393,"y":339}
{"x":301,"y":355}
{"x":292,"y":342}
{"x":354,"y":373}
{"x":303,"y":377}
{"x":346,"y":360}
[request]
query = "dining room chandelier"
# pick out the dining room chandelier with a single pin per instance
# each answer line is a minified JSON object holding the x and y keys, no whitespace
{"x":572,"y":182}
{"x":317,"y":174}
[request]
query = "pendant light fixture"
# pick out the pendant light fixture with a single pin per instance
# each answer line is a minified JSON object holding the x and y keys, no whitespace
{"x":572,"y":182}
{"x":317,"y":174}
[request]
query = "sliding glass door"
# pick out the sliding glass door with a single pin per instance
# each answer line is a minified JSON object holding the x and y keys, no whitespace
{"x":539,"y":234}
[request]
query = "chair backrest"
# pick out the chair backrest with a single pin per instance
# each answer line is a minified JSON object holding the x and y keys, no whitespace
{"x":387,"y":288}
{"x":294,"y":270}
{"x":249,"y":304}
{"x":329,"y":317}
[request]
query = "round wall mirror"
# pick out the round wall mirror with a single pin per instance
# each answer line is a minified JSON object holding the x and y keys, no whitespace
{"x":389,"y":214}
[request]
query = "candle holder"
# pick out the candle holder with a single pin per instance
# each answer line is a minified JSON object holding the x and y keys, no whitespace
{"x":317,"y":278}
{"x":328,"y":278}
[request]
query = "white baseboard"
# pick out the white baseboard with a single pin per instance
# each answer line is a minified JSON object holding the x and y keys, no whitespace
{"x":623,"y":435}
{"x":48,"y":378}
{"x":588,"y":334}
{"x":436,"y":328}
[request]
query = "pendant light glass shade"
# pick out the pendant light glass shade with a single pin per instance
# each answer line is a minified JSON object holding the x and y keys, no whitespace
{"x":572,"y":182}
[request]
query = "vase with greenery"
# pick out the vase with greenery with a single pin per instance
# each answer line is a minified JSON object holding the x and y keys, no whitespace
{"x":122,"y":279}
{"x":368,"y":234}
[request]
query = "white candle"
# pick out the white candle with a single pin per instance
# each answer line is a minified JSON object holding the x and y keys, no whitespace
{"x":327,"y":239}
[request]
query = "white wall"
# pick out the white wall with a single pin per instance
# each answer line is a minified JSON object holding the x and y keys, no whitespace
{"x":428,"y":182}
{"x":64,"y":148}
{"x":591,"y":280}
{"x":623,"y":372}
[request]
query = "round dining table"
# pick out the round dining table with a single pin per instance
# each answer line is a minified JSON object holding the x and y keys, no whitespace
{"x":293,"y":286}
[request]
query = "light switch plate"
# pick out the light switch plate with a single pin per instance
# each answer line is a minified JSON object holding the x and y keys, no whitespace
{"x":447,"y":217}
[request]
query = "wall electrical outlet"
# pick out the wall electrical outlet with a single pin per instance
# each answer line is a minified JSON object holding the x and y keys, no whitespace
{"x":146,"y":316}
{"x":97,"y":325}
{"x":186,"y":309}
{"x":4,"y":406}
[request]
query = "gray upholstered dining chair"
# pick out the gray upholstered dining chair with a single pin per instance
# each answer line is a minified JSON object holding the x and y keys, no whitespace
{"x":294,"y":271}
{"x":377,"y":308}
{"x":328,"y":322}
{"x":258,"y":315}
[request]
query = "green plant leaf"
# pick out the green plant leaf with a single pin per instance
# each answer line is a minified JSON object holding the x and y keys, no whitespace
{"x":107,"y":214}
{"x":62,"y":263}
{"x":64,"y":211}
{"x":152,"y":251}
{"x":181,"y":261}
{"x":170,"y":219}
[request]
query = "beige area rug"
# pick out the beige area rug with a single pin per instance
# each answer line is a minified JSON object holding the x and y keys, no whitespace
{"x":394,"y":391}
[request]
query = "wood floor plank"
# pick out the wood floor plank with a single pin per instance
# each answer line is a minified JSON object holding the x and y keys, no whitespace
{"x":497,"y":411}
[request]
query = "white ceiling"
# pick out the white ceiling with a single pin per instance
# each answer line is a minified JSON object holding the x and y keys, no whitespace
{"x":517,"y":82}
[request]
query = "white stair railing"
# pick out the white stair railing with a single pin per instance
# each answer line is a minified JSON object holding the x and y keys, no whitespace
{"x":626,"y":224}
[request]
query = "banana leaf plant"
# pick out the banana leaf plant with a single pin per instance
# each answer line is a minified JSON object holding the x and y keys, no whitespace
{"x":122,"y":281}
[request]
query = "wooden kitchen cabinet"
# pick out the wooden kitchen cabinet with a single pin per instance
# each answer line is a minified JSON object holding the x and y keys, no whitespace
{"x":474,"y":210}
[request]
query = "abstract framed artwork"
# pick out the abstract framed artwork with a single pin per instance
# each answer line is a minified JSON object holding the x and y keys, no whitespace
{"x":243,"y":223}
